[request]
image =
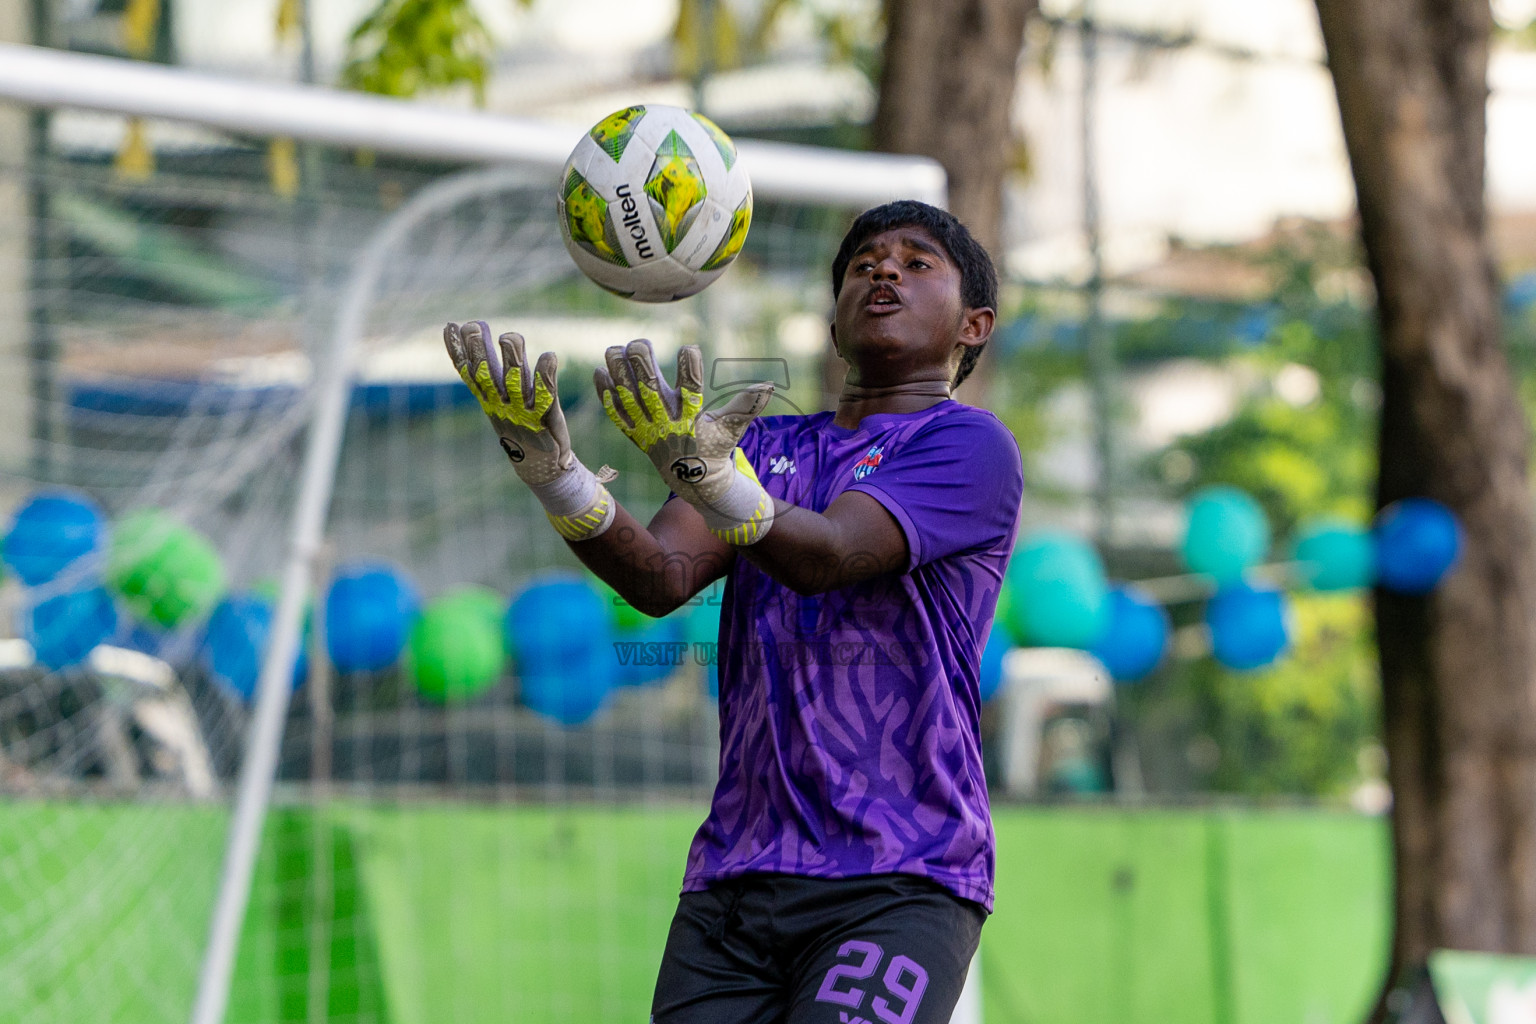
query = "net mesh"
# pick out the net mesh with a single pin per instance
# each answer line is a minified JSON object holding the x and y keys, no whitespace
{"x":424,"y":859}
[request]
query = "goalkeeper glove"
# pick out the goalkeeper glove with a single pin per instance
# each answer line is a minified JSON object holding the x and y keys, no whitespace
{"x":696,"y":452}
{"x":525,"y":410}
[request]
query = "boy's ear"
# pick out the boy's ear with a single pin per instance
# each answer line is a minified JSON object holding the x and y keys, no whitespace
{"x":976,"y":325}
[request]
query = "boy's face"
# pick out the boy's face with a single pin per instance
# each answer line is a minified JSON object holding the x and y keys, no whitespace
{"x":899,"y":315}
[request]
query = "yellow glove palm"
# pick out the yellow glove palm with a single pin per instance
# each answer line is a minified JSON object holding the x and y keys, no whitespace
{"x":523,"y":407}
{"x":695,"y":451}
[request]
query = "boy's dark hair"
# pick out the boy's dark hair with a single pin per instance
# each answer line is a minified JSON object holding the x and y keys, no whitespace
{"x":978,"y":278}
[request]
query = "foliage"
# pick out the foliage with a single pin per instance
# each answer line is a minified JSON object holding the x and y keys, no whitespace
{"x":715,"y":35}
{"x":1300,"y":726}
{"x":404,"y":47}
{"x":1303,"y":450}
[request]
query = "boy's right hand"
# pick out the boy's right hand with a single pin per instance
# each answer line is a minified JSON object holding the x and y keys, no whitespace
{"x":523,"y":407}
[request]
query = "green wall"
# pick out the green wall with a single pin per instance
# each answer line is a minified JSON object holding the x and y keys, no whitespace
{"x":433,"y":913}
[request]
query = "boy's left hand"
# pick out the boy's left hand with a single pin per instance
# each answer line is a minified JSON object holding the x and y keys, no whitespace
{"x":695,"y":452}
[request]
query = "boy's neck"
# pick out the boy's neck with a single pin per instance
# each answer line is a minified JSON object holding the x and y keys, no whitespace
{"x":856,"y":402}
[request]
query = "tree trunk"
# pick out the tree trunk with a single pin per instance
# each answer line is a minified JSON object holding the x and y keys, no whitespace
{"x":946,"y":92}
{"x":1459,"y":705}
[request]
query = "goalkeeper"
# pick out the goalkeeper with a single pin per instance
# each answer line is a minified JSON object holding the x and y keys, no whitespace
{"x":845,"y":868}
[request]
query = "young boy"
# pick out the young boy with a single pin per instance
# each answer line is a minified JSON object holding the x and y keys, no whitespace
{"x":845,"y":868}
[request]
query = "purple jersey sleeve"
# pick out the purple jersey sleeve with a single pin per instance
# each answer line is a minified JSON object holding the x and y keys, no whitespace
{"x":955,"y":488}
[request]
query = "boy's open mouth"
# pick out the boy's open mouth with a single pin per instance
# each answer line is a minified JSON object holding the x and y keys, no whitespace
{"x":882,"y":298}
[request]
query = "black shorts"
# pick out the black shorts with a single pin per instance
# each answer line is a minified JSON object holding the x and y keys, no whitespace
{"x":782,"y":949}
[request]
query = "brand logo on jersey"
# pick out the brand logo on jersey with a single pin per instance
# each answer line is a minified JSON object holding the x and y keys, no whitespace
{"x":782,"y":466}
{"x":869,"y":463}
{"x":689,"y":469}
{"x":513,"y":451}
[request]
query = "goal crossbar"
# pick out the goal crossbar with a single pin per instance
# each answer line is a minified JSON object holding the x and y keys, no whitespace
{"x":42,"y":77}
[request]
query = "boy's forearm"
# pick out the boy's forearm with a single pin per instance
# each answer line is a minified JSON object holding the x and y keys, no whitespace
{"x":653,"y":575}
{"x":811,"y":553}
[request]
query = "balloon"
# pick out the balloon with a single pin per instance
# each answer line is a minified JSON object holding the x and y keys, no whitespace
{"x":165,"y":572}
{"x":624,"y":616}
{"x":1006,"y":616}
{"x":235,"y":642}
{"x":558,"y":632}
{"x":1058,"y":591}
{"x":368,"y":614}
{"x":1334,"y":555}
{"x":63,"y":630}
{"x":990,"y":672}
{"x":456,"y":649}
{"x":1228,"y":532}
{"x":650,"y":653}
{"x":1136,"y":638}
{"x":50,"y":531}
{"x":701,"y":629}
{"x":1249,"y":627}
{"x":1417,"y":542}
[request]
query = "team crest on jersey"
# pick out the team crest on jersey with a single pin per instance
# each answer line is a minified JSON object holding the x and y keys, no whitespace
{"x":869,"y":463}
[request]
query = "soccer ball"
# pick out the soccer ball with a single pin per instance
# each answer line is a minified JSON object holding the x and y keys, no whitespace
{"x":654,"y":203}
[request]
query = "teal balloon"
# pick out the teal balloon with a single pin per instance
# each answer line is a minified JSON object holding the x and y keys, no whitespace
{"x":1058,"y":592}
{"x":701,"y":629}
{"x":1334,"y":555}
{"x":1228,"y":533}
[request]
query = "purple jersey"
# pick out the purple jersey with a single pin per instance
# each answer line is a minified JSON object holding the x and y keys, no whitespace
{"x":849,"y":721}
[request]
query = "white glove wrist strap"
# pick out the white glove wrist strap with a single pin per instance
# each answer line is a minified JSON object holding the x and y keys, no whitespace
{"x":577,"y":503}
{"x":741,"y":515}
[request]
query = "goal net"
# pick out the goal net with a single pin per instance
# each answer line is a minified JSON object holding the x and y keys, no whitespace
{"x":490,"y":768}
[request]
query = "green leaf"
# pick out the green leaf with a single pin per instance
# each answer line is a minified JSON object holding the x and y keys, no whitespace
{"x":404,"y":47}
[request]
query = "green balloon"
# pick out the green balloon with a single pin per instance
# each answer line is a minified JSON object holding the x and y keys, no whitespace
{"x":455,"y":650}
{"x":626,"y":618}
{"x":1006,"y":615}
{"x":164,"y":571}
{"x":1059,"y":593}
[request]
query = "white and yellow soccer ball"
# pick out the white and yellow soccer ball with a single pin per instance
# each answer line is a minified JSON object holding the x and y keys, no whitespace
{"x":654,"y":203}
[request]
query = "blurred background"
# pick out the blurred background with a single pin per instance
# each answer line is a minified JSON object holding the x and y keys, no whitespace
{"x":491,"y":766}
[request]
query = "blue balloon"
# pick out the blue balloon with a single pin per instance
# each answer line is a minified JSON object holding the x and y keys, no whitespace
{"x":990,"y":672}
{"x":49,"y":532}
{"x":1137,"y":635}
{"x":1058,"y":591}
{"x":368,"y":615}
{"x":1417,"y":543}
{"x":234,"y":640}
{"x":558,"y":632}
{"x":63,"y":630}
{"x":1249,"y":627}
{"x":650,"y":653}
{"x":1334,"y":555}
{"x":1228,"y":533}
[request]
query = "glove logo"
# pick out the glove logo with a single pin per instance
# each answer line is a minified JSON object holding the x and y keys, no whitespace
{"x":689,"y":469}
{"x":514,"y":453}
